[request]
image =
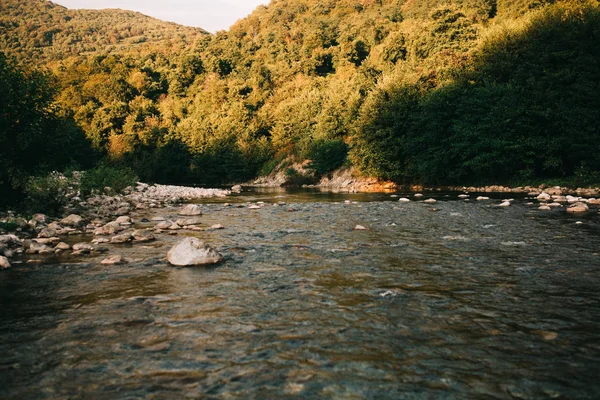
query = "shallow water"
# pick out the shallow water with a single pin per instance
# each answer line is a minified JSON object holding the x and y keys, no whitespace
{"x":455,"y":300}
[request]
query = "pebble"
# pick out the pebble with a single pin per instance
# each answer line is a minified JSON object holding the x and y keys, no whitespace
{"x":404,"y":200}
{"x":360,"y":228}
{"x":430,"y":201}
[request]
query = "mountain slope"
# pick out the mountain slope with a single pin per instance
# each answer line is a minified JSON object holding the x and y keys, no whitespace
{"x":37,"y":30}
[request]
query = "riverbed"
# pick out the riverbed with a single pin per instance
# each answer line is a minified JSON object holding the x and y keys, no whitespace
{"x":457,"y":299}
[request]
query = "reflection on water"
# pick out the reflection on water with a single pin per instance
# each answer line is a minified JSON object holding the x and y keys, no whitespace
{"x":458,"y":300}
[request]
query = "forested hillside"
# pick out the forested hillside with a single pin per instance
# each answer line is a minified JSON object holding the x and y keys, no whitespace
{"x":39,"y":30}
{"x":432,"y":91}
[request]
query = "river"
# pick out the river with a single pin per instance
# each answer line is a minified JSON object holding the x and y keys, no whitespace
{"x":452,"y":300}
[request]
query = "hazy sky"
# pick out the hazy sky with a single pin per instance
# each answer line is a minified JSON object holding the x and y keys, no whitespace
{"x":212,"y":15}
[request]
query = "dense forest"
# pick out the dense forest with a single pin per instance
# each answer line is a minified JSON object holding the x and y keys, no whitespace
{"x":430,"y":91}
{"x":39,"y":30}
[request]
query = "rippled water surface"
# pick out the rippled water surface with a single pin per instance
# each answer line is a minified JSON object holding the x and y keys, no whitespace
{"x":455,"y":300}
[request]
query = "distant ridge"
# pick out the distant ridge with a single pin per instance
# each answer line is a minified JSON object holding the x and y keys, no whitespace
{"x":40,"y":31}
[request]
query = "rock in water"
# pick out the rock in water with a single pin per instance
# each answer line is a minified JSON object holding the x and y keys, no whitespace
{"x":4,"y":262}
{"x":578,"y":208}
{"x":191,"y":252}
{"x":189,"y":221}
{"x":142,"y":236}
{"x":113,"y":260}
{"x":191,"y":210}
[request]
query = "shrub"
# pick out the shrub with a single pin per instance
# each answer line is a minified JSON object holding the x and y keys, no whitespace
{"x":46,"y":194}
{"x":296,"y":178}
{"x":327,"y":155}
{"x":103,"y":176}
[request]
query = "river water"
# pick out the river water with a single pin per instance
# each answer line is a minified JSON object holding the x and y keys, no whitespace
{"x":454,"y":300}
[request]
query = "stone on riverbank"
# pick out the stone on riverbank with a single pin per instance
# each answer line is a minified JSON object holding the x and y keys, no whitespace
{"x":109,"y":229}
{"x":72,"y":220}
{"x":83,"y":248}
{"x":192,"y":252}
{"x":124,"y":220}
{"x":47,"y":233}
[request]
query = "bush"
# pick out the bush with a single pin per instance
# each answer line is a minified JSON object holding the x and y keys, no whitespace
{"x":117,"y":179}
{"x":327,"y":155}
{"x":296,"y":178}
{"x":46,"y":194}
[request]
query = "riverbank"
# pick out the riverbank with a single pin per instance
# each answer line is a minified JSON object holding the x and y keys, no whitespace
{"x":349,"y":180}
{"x":106,"y":217}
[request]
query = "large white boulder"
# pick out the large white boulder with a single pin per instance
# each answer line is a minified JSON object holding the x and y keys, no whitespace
{"x":192,"y":251}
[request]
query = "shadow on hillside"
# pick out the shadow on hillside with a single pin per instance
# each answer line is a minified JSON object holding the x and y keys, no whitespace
{"x":528,"y":107}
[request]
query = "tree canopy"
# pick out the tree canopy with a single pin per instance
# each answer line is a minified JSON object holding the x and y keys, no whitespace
{"x":429,"y":91}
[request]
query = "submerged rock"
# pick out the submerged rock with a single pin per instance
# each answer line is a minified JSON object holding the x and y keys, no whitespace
{"x":191,"y":252}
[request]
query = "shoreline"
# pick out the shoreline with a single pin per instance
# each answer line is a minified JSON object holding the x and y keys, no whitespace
{"x":119,"y":219}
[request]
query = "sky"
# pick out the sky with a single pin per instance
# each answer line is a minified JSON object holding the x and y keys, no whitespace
{"x":212,"y":15}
